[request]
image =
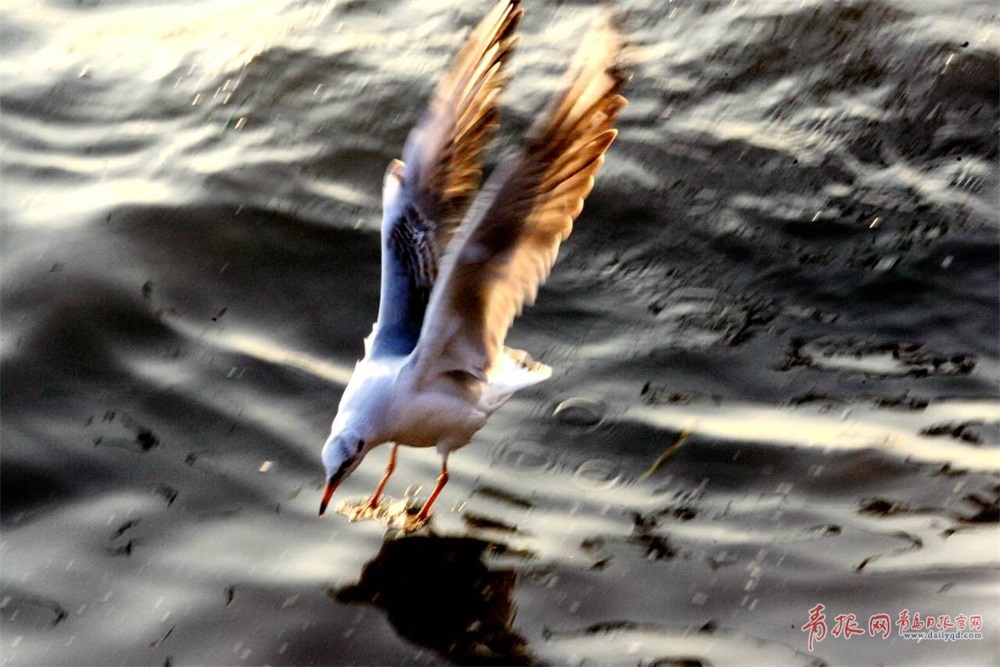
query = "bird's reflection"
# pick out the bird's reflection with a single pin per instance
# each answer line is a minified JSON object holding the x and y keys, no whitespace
{"x":438,"y":592}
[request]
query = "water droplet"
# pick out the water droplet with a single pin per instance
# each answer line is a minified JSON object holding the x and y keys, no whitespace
{"x":540,"y":578}
{"x":597,"y":474}
{"x":886,"y":263}
{"x":526,"y":457}
{"x":579,"y":411}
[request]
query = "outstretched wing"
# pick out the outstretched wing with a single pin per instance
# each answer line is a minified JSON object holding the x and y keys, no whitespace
{"x":506,"y":246}
{"x":426,"y":199}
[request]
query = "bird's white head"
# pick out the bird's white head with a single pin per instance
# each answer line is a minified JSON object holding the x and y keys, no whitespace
{"x":342,"y":454}
{"x":359,"y":425}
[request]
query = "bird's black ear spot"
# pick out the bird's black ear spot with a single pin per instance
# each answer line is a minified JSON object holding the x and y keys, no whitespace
{"x":339,"y":475}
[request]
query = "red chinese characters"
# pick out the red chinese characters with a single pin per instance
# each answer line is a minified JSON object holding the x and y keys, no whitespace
{"x":909,"y":625}
{"x":880,"y":623}
{"x":816,"y":626}
{"x":903,"y":621}
{"x":846,"y":625}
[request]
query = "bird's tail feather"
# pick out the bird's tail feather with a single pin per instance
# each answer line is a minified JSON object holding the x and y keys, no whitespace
{"x":515,"y":371}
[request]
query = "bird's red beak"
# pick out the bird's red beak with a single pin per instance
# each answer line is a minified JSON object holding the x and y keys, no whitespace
{"x":331,"y":486}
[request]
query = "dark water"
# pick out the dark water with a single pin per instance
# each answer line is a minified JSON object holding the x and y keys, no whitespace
{"x":792,"y":252}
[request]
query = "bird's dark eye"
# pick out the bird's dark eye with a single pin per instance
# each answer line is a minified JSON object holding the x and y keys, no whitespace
{"x":361,"y":443}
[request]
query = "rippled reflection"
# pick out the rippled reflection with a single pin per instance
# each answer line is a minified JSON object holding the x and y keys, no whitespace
{"x":774,"y":336}
{"x":439,"y":593}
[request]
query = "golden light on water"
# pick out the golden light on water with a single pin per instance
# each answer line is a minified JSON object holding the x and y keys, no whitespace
{"x":221,"y":34}
{"x":269,"y":351}
{"x":855,"y":426}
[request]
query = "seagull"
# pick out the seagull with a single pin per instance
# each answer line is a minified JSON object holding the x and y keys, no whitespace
{"x":460,"y":263}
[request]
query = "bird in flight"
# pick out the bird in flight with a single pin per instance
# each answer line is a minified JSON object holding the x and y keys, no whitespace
{"x":458,"y":262}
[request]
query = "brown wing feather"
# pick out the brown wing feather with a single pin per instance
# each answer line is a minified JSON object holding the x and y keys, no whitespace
{"x":426,"y":198}
{"x":442,"y":153}
{"x":506,"y":247}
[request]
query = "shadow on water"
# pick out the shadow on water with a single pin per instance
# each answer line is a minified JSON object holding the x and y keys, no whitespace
{"x":439,"y":593}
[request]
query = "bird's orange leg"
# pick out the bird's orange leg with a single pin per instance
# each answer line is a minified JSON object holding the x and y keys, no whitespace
{"x":441,"y":481}
{"x":373,"y":503}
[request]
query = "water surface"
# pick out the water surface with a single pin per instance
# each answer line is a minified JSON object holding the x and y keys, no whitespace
{"x":791,"y":254}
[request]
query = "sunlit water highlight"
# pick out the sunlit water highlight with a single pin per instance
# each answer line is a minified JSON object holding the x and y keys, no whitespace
{"x":790,"y":258}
